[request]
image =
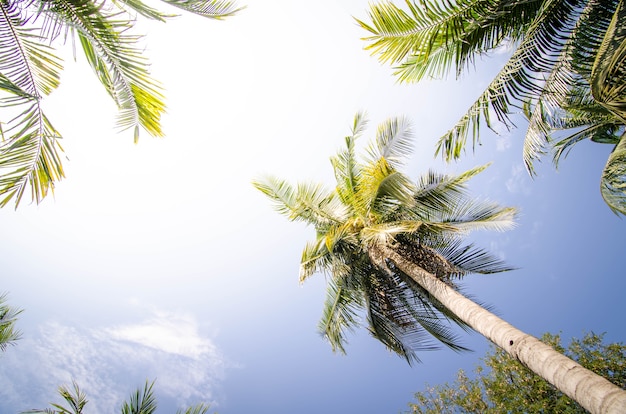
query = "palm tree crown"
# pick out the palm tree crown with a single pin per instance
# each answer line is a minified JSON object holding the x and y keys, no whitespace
{"x":560,"y":47}
{"x":30,"y":70}
{"x":372,"y":204}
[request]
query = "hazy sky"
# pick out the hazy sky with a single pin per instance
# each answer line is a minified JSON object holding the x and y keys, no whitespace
{"x":161,"y":261}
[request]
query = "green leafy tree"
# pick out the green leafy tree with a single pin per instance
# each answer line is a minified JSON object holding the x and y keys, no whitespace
{"x":394,"y":249}
{"x":559,"y":47}
{"x":30,"y":70}
{"x":8,"y":318}
{"x":142,"y":401}
{"x":503,"y":385}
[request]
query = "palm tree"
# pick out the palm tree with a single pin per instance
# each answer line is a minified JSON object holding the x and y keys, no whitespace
{"x":8,"y":317}
{"x":558,"y":45}
{"x":142,"y":401}
{"x":394,"y":249}
{"x":30,"y":70}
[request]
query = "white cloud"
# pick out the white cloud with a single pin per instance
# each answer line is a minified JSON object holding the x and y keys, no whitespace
{"x":110,"y":363}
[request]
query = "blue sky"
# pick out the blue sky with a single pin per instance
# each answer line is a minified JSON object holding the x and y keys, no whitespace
{"x":161,"y":261}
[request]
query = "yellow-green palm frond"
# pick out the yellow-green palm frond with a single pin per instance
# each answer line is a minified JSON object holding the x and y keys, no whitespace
{"x":29,"y":157}
{"x":386,"y":232}
{"x":613,"y":182}
{"x":8,"y":317}
{"x":381,"y":188}
{"x":345,"y":165}
{"x":608,"y":76}
{"x":118,"y":62}
{"x":325,"y":253}
{"x":75,"y":400}
{"x":430,"y":37}
{"x":26,"y":61}
{"x":310,"y":203}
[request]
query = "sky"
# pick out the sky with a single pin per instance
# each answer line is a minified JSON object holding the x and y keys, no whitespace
{"x":160,"y":261}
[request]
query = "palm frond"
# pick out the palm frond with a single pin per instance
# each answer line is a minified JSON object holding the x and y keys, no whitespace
{"x":8,"y":318}
{"x":280,"y":192}
{"x":404,"y":321}
{"x":30,"y":157}
{"x":472,"y":215}
{"x":382,"y":187}
{"x":141,"y":402}
{"x":345,"y":166}
{"x":469,"y":259}
{"x":393,"y":142}
{"x":613,"y":182}
{"x":437,"y":193}
{"x":213,"y":9}
{"x":340,"y":312}
{"x":608,"y":76}
{"x":386,"y":232}
{"x":117,"y":61}
{"x":196,"y":409}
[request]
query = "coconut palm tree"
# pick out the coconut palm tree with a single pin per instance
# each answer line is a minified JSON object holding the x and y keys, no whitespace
{"x":557,"y":45}
{"x":142,"y":401}
{"x":8,"y":317}
{"x":30,"y":70}
{"x":394,"y":249}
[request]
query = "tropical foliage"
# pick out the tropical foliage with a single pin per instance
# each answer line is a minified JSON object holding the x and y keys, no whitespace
{"x":564,"y":53}
{"x":503,"y":385}
{"x":30,"y":151}
{"x":373,"y":203}
{"x":8,"y":318}
{"x":142,"y":401}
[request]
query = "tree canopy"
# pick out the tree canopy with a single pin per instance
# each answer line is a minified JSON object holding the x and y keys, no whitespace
{"x":503,"y":385}
{"x":567,"y":56}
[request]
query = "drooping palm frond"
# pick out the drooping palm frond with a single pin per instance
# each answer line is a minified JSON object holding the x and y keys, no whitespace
{"x":608,"y":75}
{"x":613,"y":182}
{"x":538,"y":58}
{"x":344,"y":300}
{"x":213,"y":9}
{"x":403,"y":320}
{"x":29,"y":150}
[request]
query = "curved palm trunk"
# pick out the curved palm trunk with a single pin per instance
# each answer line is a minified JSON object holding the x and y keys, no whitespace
{"x":590,"y":390}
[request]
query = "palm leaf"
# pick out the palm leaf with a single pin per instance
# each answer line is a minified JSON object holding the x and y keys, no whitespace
{"x":117,"y":61}
{"x":213,"y":9}
{"x":393,"y":142}
{"x":141,"y":402}
{"x":613,"y":182}
{"x":340,"y":312}
{"x":608,"y":77}
{"x":8,"y":318}
{"x":196,"y":409}
{"x":437,"y":193}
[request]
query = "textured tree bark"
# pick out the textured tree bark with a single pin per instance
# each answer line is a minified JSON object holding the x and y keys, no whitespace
{"x":590,"y":390}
